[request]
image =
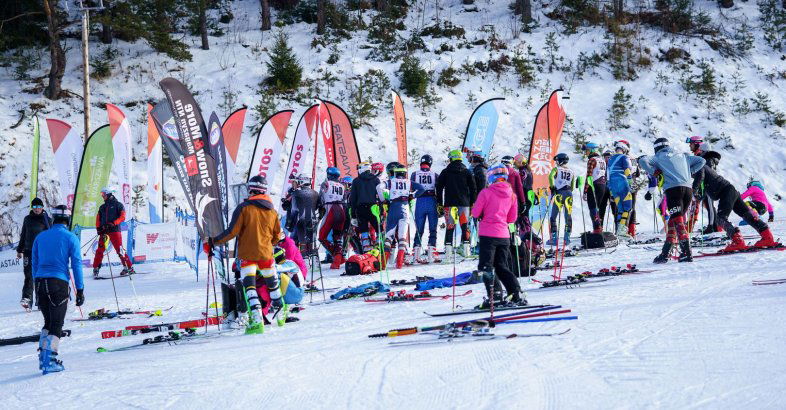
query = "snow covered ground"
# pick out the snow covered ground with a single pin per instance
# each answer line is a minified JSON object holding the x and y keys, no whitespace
{"x":693,"y":335}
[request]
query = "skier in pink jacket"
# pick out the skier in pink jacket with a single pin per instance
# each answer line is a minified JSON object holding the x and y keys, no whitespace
{"x":496,"y":207}
{"x":755,"y":191}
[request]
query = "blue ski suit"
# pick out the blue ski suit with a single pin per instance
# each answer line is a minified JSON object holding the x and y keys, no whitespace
{"x":426,"y":206}
{"x":620,"y":170}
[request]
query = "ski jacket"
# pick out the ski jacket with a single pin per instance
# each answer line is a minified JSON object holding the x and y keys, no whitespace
{"x":399,"y":190}
{"x":758,"y":195}
{"x":619,"y":166}
{"x":364,"y":190}
{"x":427,"y":179}
{"x":712,"y":183}
{"x":331,"y":192}
{"x":479,"y":173}
{"x":561,"y":178}
{"x":53,"y":251}
{"x":596,"y":169}
{"x":676,"y":168}
{"x":514,"y":179}
{"x":456,"y":186}
{"x":256,"y":226}
{"x":305,"y":202}
{"x":292,"y":253}
{"x":496,"y":207}
{"x":111,"y":212}
{"x":31,"y":227}
{"x":526,"y":179}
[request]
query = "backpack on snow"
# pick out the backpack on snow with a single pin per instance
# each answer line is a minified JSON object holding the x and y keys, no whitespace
{"x":591,"y":240}
{"x":361,"y":265}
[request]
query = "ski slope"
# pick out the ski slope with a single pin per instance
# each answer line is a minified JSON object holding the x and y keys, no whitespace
{"x":690,"y":335}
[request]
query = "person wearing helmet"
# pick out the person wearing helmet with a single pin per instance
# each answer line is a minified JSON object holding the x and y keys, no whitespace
{"x":620,"y":174}
{"x":496,"y":207}
{"x":362,"y":196}
{"x":34,"y":223}
{"x":718,"y":188}
{"x":698,"y":146}
{"x":391,"y":167}
{"x":397,"y":191}
{"x":562,"y":181}
{"x":426,"y":209}
{"x":332,"y":205}
{"x":302,"y":216}
{"x":756,"y":192}
{"x":694,"y":144}
{"x":108,"y":219}
{"x":595,"y":185}
{"x":256,"y":226}
{"x":377,"y":168}
{"x":456,"y":189}
{"x":54,"y":251}
{"x":677,"y":170}
{"x":477,"y":164}
{"x":291,"y":278}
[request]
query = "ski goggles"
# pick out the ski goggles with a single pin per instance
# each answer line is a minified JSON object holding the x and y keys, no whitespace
{"x":37,"y":207}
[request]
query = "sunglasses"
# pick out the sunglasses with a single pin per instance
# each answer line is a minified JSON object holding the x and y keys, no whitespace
{"x":38,"y":206}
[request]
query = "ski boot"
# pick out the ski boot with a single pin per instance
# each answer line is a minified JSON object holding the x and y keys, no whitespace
{"x":766,"y":240}
{"x":737,"y":244}
{"x":41,"y":344}
{"x":282,"y":314}
{"x":465,"y":251}
{"x":433,"y":255}
{"x":49,"y":362}
{"x":328,"y":259}
{"x":622,"y":231}
{"x":515,"y":299}
{"x":486,"y":304}
{"x":95,"y":272}
{"x":664,"y":253}
{"x":685,"y":252}
{"x":448,"y":254}
{"x":127,"y":271}
{"x":553,"y":240}
{"x":566,"y":238}
{"x":26,"y":304}
{"x":337,"y":262}
{"x":400,"y":256}
{"x":256,"y":325}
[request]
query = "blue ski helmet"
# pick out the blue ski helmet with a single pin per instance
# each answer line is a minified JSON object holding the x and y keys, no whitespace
{"x":347,"y":180}
{"x":333,"y":173}
{"x":498,"y":172}
{"x":756,"y":184}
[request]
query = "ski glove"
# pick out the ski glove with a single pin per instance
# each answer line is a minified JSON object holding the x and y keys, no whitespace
{"x":648,"y":196}
{"x":80,"y":297}
{"x":772,"y":217}
{"x":208,"y":246}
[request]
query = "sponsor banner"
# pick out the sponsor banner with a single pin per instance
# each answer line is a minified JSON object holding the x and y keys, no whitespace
{"x":325,"y":128}
{"x":546,"y":135}
{"x":8,"y":261}
{"x":301,"y":146}
{"x":347,"y":153}
{"x":482,"y":126}
{"x":155,"y":242}
{"x":155,"y":171}
{"x":187,"y":242}
{"x":270,"y":145}
{"x":233,"y":131}
{"x":93,"y":175}
{"x":217,"y":147}
{"x":165,"y":125}
{"x":67,"y":147}
{"x":121,"y":166}
{"x":200,"y":164}
{"x":400,"y":122}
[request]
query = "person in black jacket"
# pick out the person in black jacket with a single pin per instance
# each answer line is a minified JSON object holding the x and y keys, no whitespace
{"x":362,"y":196}
{"x":302,"y":215}
{"x":35,"y":222}
{"x":479,"y":169}
{"x":718,"y":188}
{"x":456,"y":189}
{"x":108,"y":219}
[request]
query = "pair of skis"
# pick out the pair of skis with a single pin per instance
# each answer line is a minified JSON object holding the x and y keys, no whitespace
{"x":769,"y":281}
{"x":403,"y":296}
{"x":472,"y":336}
{"x":101,"y":314}
{"x":30,"y":338}
{"x":142,"y":329}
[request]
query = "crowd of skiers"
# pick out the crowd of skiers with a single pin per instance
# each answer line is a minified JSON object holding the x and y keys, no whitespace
{"x":370,"y":215}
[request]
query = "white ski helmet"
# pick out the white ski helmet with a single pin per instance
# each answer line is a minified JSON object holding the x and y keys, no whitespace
{"x":622,"y":145}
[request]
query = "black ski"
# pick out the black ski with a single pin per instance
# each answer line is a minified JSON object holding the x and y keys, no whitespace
{"x":473,"y":310}
{"x":26,"y":339}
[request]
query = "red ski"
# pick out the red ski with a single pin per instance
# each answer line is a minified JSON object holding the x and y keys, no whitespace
{"x":402,"y":296}
{"x":749,"y":250}
{"x":140,"y":329}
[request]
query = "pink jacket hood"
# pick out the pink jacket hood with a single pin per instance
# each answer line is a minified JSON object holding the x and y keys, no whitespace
{"x":496,"y":207}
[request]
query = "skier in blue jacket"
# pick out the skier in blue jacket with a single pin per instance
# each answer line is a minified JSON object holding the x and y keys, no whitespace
{"x":53,"y":251}
{"x":620,"y":170}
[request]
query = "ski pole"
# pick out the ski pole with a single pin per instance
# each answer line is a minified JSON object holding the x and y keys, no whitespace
{"x":112,"y":276}
{"x":555,"y":235}
{"x":582,"y":181}
{"x":454,"y":215}
{"x":130,"y":279}
{"x":89,"y":244}
{"x":569,"y":211}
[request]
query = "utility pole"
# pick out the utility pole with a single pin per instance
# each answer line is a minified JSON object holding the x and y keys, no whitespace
{"x":85,"y":6}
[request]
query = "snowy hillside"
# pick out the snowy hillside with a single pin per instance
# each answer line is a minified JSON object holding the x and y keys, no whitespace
{"x":740,"y":113}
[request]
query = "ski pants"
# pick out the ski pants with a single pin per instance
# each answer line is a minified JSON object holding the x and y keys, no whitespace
{"x":729,"y":200}
{"x":555,"y":211}
{"x":27,"y":287}
{"x":450,"y":223}
{"x":596,"y":195}
{"x":623,"y":198}
{"x":397,"y":223}
{"x":678,"y":201}
{"x":334,"y":222}
{"x":712,"y":213}
{"x":606,"y":201}
{"x":266,"y":268}
{"x":116,"y":238}
{"x":53,"y":295}
{"x":494,"y":256}
{"x":426,"y":208}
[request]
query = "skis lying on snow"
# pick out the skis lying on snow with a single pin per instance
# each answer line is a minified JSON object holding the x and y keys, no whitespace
{"x":769,"y":281}
{"x":497,"y":308}
{"x":173,"y":338}
{"x":752,"y":249}
{"x":31,"y":338}
{"x":403,"y":296}
{"x":470,"y":335}
{"x":477,"y":323}
{"x":162,"y":327}
{"x":106,"y":314}
{"x":404,"y":282}
{"x":120,"y":276}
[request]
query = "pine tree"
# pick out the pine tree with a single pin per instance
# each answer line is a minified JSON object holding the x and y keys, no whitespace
{"x":619,"y":110}
{"x":284,"y":68}
{"x":414,"y":79}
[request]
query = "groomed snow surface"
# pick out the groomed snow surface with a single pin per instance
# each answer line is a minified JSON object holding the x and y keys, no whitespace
{"x":689,"y":335}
